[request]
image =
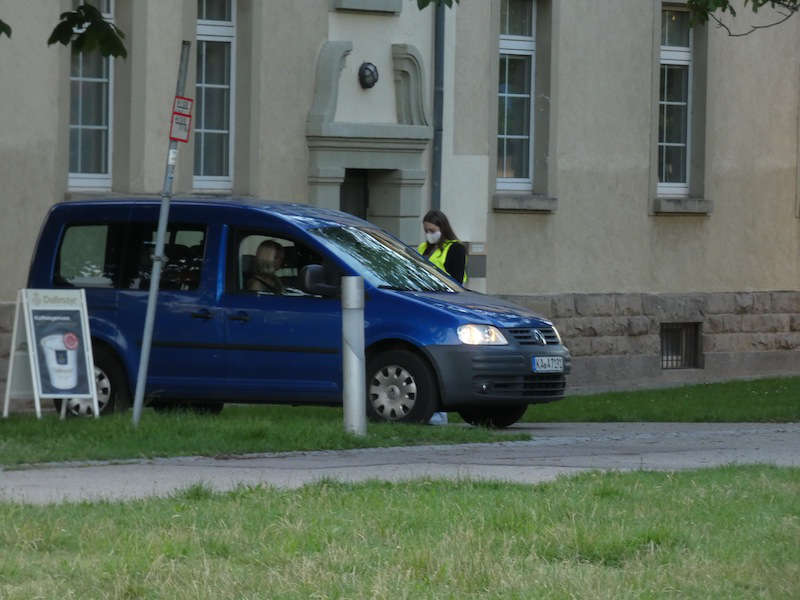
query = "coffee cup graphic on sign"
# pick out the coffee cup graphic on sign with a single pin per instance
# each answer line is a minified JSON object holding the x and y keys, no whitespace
{"x":60,"y":351}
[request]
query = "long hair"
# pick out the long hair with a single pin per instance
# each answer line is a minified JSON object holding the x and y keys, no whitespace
{"x":438,"y":218}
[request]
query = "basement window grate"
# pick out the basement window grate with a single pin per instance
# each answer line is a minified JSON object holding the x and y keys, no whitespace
{"x":680,"y":346}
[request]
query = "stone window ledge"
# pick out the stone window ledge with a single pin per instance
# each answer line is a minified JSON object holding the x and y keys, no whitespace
{"x":524,"y":202}
{"x":379,"y":6}
{"x":682,"y":206}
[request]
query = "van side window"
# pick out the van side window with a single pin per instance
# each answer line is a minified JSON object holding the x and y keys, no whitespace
{"x":270,"y":265}
{"x":89,"y":256}
{"x":184,"y":248}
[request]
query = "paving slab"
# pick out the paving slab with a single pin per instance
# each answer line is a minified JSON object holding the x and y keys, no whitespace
{"x":556,"y":449}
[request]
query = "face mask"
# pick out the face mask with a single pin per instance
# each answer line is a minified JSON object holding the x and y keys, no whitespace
{"x":434,"y":237}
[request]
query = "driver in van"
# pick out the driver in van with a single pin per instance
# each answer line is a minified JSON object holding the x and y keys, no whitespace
{"x":269,"y":258}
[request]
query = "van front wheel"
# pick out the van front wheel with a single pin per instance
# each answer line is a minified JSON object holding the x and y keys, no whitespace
{"x":400,"y":388}
{"x":494,"y":418}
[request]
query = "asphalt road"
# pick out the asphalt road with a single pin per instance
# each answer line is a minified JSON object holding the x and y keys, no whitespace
{"x":557,"y":449}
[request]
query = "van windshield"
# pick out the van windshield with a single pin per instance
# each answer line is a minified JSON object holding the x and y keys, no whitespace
{"x":386,"y":262}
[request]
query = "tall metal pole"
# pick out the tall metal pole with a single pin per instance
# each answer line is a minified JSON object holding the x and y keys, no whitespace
{"x":353,"y":371}
{"x":438,"y":104}
{"x":158,"y":257}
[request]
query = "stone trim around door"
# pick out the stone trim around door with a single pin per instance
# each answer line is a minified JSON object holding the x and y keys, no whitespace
{"x":330,"y":63}
{"x":409,"y":85}
{"x":399,"y":148}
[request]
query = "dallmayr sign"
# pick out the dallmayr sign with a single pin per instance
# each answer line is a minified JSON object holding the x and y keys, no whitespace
{"x":57,"y":345}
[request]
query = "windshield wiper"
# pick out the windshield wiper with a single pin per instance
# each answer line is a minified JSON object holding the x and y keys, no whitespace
{"x":395,"y":288}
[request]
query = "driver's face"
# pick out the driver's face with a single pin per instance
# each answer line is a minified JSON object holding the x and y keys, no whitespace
{"x":267,"y":259}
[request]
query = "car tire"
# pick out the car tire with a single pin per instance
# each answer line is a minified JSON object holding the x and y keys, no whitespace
{"x":401,"y":387}
{"x":164,"y":406}
{"x":113,"y":393}
{"x":495,"y":417}
{"x":210,"y":407}
{"x":207,"y":408}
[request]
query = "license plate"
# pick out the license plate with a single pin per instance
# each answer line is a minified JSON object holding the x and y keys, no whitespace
{"x":548,"y":364}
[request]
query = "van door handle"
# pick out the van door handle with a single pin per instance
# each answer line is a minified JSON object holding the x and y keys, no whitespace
{"x":240,"y":316}
{"x":204,"y":314}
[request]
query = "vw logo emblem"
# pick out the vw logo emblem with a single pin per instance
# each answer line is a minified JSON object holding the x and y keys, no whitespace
{"x":538,"y":337}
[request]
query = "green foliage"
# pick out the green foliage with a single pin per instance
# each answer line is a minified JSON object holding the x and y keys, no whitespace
{"x":87,"y":30}
{"x":703,"y":10}
{"x":4,"y":28}
{"x":424,"y":3}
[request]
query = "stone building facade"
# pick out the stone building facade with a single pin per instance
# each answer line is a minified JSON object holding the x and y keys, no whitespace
{"x":617,"y":340}
{"x":622,"y":174}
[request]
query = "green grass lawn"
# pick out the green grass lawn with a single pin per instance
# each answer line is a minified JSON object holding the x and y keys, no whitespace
{"x":762,"y":400}
{"x":729,"y":532}
{"x":237,"y":430}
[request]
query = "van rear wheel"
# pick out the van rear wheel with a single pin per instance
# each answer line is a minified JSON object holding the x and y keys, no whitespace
{"x":201,"y":407}
{"x":113,"y":394}
{"x":494,"y":417}
{"x":400,"y":388}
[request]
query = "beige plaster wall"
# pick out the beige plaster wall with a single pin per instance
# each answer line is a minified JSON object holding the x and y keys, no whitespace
{"x":145,"y":88}
{"x":465,"y":146}
{"x":473,"y":50}
{"x":33,"y":168}
{"x":602,"y":237}
{"x":280,"y":64}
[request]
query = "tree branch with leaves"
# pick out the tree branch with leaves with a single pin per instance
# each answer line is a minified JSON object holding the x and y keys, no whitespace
{"x":703,"y":11}
{"x":85,"y":30}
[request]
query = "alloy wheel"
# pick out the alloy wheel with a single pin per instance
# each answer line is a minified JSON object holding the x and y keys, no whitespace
{"x":392,"y":392}
{"x":82,"y":407}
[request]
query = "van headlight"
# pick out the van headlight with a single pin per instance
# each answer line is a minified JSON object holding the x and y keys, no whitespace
{"x":483,"y":335}
{"x":558,"y":335}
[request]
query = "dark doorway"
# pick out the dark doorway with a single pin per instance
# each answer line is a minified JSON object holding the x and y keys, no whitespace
{"x":354,"y":194}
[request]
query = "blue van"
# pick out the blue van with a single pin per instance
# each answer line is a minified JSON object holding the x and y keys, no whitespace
{"x":249,"y":311}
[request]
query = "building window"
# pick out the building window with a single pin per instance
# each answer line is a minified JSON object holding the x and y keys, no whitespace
{"x":680,"y":346}
{"x":216,"y":49}
{"x":674,"y":103}
{"x":515,"y":95}
{"x":91,"y":115}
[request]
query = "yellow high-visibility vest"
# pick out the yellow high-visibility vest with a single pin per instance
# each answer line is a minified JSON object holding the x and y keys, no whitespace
{"x":439,"y":256}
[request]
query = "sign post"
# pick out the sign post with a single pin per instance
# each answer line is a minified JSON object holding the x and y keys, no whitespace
{"x":179,"y":132}
{"x":57,"y":345}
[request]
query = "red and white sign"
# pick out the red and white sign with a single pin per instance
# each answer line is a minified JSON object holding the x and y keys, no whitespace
{"x":181,"y":122}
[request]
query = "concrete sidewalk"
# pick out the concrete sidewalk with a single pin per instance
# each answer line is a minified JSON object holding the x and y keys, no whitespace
{"x":557,"y":449}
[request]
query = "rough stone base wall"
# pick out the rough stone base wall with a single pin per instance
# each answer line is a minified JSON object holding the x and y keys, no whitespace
{"x":615,"y":338}
{"x":6,"y":325}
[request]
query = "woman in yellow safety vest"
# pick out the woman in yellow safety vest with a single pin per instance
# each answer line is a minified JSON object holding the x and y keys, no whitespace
{"x":442,"y":247}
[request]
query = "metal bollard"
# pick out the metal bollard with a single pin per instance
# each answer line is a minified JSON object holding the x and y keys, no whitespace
{"x":353,"y":369}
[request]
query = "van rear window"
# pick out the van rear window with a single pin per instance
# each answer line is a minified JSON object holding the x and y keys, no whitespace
{"x":184,"y":249}
{"x":89,"y":256}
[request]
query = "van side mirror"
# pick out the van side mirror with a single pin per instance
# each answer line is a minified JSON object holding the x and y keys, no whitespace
{"x":312,"y":281}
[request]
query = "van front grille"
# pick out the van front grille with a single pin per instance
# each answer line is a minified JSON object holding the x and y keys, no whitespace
{"x":528,"y":337}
